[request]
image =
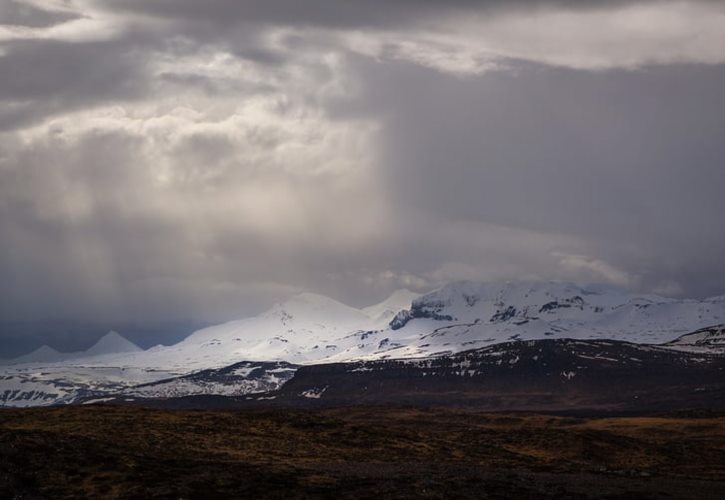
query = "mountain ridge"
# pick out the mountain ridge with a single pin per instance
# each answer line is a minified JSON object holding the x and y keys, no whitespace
{"x":310,"y":329}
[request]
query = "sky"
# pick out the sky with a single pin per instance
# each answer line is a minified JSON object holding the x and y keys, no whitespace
{"x":171,"y":163}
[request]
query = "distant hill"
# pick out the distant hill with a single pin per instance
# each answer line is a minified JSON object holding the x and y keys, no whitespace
{"x":111,"y":343}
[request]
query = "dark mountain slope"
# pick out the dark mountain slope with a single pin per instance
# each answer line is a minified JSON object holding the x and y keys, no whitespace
{"x":533,"y":375}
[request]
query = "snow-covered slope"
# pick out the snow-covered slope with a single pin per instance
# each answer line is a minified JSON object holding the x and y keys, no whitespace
{"x":710,"y":340}
{"x":387,"y":309}
{"x":234,"y":380}
{"x":62,"y":383}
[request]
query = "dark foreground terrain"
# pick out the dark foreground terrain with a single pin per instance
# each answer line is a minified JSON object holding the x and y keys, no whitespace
{"x":363,"y":452}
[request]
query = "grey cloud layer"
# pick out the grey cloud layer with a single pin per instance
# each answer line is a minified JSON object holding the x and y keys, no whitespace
{"x":347,"y":13}
{"x":179,"y":160}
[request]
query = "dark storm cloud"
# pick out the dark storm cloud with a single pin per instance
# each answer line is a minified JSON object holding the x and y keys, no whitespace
{"x":43,"y":77}
{"x":169,"y":161}
{"x":34,"y":70}
{"x":630,"y":162}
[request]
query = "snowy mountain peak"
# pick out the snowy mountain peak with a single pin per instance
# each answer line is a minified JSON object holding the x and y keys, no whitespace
{"x":396,"y":302}
{"x":309,"y":300}
{"x":311,"y":307}
{"x":43,"y":354}
{"x":45,"y":350}
{"x":112,"y":343}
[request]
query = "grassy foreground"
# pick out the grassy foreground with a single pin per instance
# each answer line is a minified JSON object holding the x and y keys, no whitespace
{"x":129,"y":452}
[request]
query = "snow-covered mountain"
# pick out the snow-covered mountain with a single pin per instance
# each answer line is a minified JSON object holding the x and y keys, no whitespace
{"x":304,"y":329}
{"x":312,"y":329}
{"x":67,"y":382}
{"x":46,"y":376}
{"x":111,"y":343}
{"x":467,"y":315}
{"x":301,"y":329}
